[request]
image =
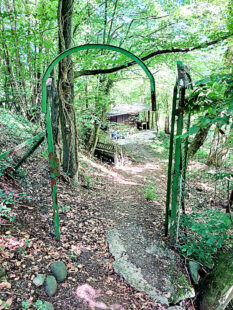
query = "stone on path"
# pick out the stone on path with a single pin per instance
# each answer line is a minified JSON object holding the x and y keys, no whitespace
{"x":148,"y":265}
{"x":59,"y":270}
{"x":48,"y":306}
{"x":51,"y":285}
{"x":39,"y":280}
{"x":175,"y":308}
{"x":193,"y":269}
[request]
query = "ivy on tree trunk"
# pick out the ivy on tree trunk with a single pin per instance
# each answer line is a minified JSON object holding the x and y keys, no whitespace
{"x":66,"y":92}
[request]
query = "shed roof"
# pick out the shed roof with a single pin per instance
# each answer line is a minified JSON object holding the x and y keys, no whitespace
{"x":128,"y":109}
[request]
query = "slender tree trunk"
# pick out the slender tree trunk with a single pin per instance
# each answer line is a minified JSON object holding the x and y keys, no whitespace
{"x":20,"y":70}
{"x":198,"y":140}
{"x":153,"y":120}
{"x":230,"y":200}
{"x":66,"y":91}
{"x":220,"y":146}
{"x":101,"y":108}
{"x":94,"y":137}
{"x":167,"y":119}
{"x":13,"y":82}
{"x":166,"y":125}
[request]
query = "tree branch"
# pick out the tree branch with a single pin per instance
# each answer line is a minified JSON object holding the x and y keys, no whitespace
{"x":151,"y":55}
{"x":111,"y":23}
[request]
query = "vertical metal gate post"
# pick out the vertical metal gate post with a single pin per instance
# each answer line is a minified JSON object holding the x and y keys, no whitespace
{"x":169,"y":174}
{"x":185,"y":161}
{"x":177,"y":170}
{"x":177,"y":166}
{"x":53,"y":161}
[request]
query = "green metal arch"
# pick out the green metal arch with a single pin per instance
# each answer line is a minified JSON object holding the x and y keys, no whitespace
{"x":46,"y":108}
{"x":99,"y":47}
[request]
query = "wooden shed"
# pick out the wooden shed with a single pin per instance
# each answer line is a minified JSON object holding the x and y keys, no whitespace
{"x":127,"y":113}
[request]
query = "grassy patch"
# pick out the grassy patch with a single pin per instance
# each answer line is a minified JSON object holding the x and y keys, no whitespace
{"x":160,"y":145}
{"x":17,"y":125}
{"x":150,"y":193}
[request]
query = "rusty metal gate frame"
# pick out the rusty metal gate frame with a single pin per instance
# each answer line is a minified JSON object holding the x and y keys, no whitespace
{"x":46,"y":109}
{"x":177,"y":163}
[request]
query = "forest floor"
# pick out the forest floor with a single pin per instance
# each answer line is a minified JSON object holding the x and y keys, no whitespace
{"x":108,"y":197}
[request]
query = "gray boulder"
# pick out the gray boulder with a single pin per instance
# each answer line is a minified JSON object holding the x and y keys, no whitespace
{"x":193,"y":269}
{"x":148,"y":264}
{"x":216,"y":289}
{"x":175,"y":308}
{"x":51,"y":285}
{"x":59,"y":270}
{"x":39,"y":280}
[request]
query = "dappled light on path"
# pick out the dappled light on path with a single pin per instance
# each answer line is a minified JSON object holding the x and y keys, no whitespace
{"x":107,"y":172}
{"x":138,"y":169}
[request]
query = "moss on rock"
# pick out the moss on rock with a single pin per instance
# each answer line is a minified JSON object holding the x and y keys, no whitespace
{"x":216,"y":290}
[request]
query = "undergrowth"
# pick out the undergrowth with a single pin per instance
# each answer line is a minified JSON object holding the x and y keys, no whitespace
{"x":150,"y":193}
{"x":17,"y":125}
{"x":204,"y":233}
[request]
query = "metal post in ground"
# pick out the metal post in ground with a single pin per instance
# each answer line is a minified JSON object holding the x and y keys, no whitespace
{"x":53,"y":161}
{"x":177,"y":167}
{"x":170,"y":160}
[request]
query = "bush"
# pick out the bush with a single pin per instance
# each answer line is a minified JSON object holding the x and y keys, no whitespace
{"x":204,"y":233}
{"x":150,"y":193}
{"x":88,"y":180}
{"x":5,"y":211}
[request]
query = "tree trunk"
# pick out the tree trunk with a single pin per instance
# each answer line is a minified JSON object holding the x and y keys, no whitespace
{"x":166,"y":125}
{"x":198,"y":140}
{"x":101,"y":108}
{"x":94,"y":137}
{"x":230,"y":200}
{"x":220,"y":146}
{"x":216,"y":290}
{"x":66,"y":92}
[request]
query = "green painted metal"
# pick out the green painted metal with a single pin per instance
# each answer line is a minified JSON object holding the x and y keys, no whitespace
{"x":177,"y":169}
{"x":98,"y":47}
{"x":53,"y":160}
{"x":169,"y":173}
{"x":30,"y":152}
{"x":46,"y":108}
{"x":185,"y":161}
{"x":21,"y":146}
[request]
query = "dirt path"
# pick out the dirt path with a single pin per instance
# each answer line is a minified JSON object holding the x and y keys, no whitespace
{"x":116,"y":197}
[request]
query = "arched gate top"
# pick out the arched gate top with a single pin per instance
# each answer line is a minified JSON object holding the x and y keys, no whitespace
{"x":98,"y":47}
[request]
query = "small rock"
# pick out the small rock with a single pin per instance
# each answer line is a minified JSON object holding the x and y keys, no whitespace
{"x":39,"y":280}
{"x":193,"y":269}
{"x":48,"y":306}
{"x":175,"y":308}
{"x":59,"y":269}
{"x":51,"y":285}
{"x":2,"y":272}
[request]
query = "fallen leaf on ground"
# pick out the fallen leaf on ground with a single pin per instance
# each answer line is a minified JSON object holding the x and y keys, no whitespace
{"x":5,"y":284}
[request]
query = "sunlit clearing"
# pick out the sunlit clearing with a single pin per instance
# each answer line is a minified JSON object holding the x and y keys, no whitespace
{"x":108,"y":173}
{"x":137,"y":169}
